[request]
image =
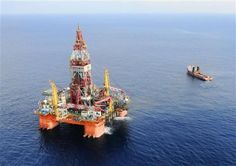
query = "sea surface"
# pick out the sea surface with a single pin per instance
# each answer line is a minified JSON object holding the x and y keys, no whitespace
{"x":173,"y":118}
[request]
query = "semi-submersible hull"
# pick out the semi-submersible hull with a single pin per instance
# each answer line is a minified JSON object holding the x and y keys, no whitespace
{"x":82,"y":102}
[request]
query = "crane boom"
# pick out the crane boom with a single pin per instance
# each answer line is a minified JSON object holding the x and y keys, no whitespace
{"x":106,"y":83}
{"x":54,"y":98}
{"x":110,"y":108}
{"x":107,"y":89}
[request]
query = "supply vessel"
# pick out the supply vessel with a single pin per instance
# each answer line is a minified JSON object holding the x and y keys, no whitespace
{"x":82,"y":102}
{"x":194,"y":71}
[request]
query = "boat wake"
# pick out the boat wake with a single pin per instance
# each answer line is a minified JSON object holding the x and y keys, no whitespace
{"x":122,"y":118}
{"x":108,"y":130}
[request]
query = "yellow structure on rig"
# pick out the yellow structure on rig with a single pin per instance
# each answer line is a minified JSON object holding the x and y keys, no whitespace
{"x":106,"y":83}
{"x":111,"y":107}
{"x":107,"y":89}
{"x":54,"y":98}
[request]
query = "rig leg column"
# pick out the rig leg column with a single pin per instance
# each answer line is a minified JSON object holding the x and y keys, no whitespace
{"x":94,"y":129}
{"x":47,"y":122}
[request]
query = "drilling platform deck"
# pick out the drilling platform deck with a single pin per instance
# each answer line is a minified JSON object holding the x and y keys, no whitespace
{"x":82,"y":103}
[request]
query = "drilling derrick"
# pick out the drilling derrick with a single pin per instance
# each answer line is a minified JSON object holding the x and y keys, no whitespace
{"x":82,"y":103}
{"x":80,"y":67}
{"x":75,"y":97}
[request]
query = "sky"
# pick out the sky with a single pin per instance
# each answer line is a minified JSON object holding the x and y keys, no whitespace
{"x":116,"y":6}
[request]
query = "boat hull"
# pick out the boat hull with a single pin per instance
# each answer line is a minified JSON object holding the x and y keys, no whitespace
{"x":200,"y":76}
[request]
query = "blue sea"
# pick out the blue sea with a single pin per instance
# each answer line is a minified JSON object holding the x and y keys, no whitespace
{"x":173,"y":118}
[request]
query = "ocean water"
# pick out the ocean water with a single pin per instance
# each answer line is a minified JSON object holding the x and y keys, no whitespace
{"x":173,"y":119}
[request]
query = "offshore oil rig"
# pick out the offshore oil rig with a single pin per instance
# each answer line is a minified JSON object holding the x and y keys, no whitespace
{"x":82,"y":103}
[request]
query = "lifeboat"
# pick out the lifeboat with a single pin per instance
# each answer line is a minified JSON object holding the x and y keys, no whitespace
{"x":195,"y":71}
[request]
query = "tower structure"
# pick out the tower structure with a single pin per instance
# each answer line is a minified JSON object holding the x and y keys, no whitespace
{"x":80,"y":67}
{"x":82,"y":103}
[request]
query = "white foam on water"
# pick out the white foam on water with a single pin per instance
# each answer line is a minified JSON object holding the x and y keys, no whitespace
{"x":108,"y":130}
{"x":122,"y":118}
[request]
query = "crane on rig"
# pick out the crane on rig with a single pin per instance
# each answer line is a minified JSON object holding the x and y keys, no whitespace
{"x":54,"y":98}
{"x":107,"y":89}
{"x":106,"y":83}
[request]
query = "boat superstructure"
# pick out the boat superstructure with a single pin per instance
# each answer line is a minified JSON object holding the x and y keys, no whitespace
{"x":195,"y":71}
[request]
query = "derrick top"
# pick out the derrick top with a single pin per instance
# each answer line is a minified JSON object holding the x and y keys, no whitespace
{"x":79,"y":41}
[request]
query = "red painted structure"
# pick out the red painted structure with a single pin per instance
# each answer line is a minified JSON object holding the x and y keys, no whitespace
{"x":80,"y":87}
{"x":82,"y":103}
